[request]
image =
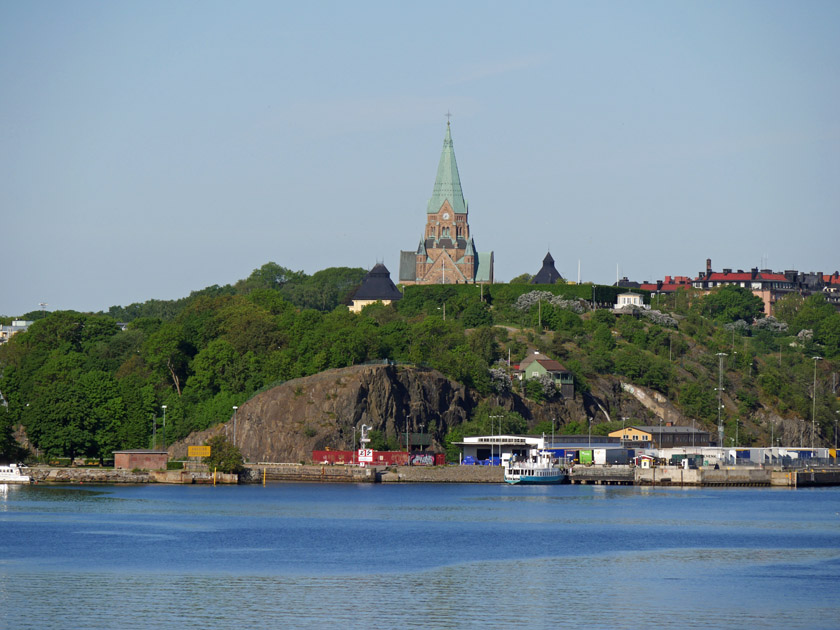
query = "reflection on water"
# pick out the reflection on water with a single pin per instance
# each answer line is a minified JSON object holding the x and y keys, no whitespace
{"x":419,"y":556}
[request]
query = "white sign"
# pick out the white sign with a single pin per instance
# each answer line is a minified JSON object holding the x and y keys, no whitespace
{"x":366,"y":455}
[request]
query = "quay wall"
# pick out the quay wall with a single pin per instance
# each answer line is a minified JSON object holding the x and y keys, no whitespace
{"x":599,"y":475}
{"x":42,"y":474}
{"x":444,"y":474}
{"x":255,"y":473}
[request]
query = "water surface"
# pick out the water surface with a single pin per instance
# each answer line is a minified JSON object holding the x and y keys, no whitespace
{"x":418,"y":556}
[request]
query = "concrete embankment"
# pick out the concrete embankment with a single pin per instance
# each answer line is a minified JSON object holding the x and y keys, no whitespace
{"x":596,"y":475}
{"x":357,"y":474}
{"x":110,"y":475}
{"x":444,"y":474}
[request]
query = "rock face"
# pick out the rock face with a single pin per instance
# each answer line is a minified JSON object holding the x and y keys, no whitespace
{"x":288,"y":422}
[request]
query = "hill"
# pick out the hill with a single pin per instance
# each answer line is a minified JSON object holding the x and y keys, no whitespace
{"x":80,"y":384}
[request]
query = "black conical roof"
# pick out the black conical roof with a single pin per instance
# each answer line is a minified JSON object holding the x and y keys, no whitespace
{"x":548,"y":274}
{"x":377,"y":285}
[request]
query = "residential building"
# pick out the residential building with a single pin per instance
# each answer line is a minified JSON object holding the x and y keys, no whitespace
{"x":764,"y":283}
{"x":18,"y":325}
{"x":629,"y":299}
{"x":537,"y":364}
{"x":447,"y":253}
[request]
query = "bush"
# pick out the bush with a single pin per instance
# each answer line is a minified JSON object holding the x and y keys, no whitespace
{"x":224,"y":456}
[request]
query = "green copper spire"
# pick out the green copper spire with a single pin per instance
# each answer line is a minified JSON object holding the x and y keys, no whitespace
{"x":447,"y":182}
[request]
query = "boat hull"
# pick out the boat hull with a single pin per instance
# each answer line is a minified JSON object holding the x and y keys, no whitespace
{"x":527,"y":480}
{"x":12,"y":474}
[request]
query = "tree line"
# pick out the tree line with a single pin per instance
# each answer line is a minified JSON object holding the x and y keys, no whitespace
{"x":88,"y":384}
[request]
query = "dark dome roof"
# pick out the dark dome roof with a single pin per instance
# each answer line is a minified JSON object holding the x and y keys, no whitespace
{"x":377,"y":285}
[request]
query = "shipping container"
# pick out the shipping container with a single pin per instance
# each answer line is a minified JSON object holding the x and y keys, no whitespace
{"x":585,"y":456}
{"x":377,"y":458}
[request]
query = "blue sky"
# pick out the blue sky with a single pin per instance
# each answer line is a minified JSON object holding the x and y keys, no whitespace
{"x":153,"y":148}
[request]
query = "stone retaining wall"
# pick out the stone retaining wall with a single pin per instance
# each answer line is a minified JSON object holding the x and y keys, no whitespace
{"x":444,"y":474}
{"x":109,"y":475}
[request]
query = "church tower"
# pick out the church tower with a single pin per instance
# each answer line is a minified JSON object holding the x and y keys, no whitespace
{"x":446,"y":253}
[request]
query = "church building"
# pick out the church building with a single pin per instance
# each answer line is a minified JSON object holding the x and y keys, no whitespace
{"x":446,"y":253}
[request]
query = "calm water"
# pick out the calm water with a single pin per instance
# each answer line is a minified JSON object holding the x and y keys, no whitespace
{"x":417,"y":556}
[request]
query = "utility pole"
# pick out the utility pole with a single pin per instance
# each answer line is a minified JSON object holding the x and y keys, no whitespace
{"x":720,"y":397}
{"x":814,"y":403}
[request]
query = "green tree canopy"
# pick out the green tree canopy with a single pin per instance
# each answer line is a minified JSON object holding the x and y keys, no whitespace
{"x":730,"y":303}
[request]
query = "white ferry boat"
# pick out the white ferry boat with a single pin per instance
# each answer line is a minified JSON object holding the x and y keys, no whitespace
{"x":12,"y":473}
{"x":538,"y":468}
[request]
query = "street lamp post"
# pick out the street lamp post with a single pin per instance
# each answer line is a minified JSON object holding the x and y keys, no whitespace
{"x":493,"y":428}
{"x":590,"y":433}
{"x":234,"y":424}
{"x":720,"y":398}
{"x":835,"y":429}
{"x":164,"y":426}
{"x":814,"y":403}
{"x":660,"y":433}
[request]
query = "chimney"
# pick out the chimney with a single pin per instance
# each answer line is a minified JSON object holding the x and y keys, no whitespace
{"x":708,"y":266}
{"x":667,"y":279}
{"x":754,"y":272}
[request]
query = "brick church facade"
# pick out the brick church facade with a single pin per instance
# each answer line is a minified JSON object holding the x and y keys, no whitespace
{"x":446,"y":253}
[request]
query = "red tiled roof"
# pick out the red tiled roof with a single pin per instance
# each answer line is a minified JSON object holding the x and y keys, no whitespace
{"x":664,"y":287}
{"x":732,"y":277}
{"x":717,"y":276}
{"x":551,"y":365}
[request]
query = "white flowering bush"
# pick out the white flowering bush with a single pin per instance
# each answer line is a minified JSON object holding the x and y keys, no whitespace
{"x":740,"y":325}
{"x":770,"y":323}
{"x":500,"y":380}
{"x":525,"y":301}
{"x":658,"y":317}
{"x":547,"y":383}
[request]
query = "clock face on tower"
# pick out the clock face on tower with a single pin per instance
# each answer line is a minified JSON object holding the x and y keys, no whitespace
{"x":445,"y":216}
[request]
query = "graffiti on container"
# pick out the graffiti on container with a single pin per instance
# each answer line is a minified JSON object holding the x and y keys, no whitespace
{"x":422,"y":460}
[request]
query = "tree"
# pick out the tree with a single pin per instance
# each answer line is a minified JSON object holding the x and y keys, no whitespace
{"x":730,"y":303}
{"x":167,"y":351}
{"x":523,"y":278}
{"x":224,"y":456}
{"x":477,"y":314}
{"x":8,"y":446}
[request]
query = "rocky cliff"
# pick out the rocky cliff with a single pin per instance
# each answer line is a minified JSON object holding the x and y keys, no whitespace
{"x":288,"y":422}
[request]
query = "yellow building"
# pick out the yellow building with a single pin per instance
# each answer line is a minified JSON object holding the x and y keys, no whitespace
{"x":667,"y":436}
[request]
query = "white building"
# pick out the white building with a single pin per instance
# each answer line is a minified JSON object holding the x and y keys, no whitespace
{"x":629,"y":299}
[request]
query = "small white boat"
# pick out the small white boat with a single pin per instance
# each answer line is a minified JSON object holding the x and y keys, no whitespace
{"x":12,"y":473}
{"x":537,"y":469}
